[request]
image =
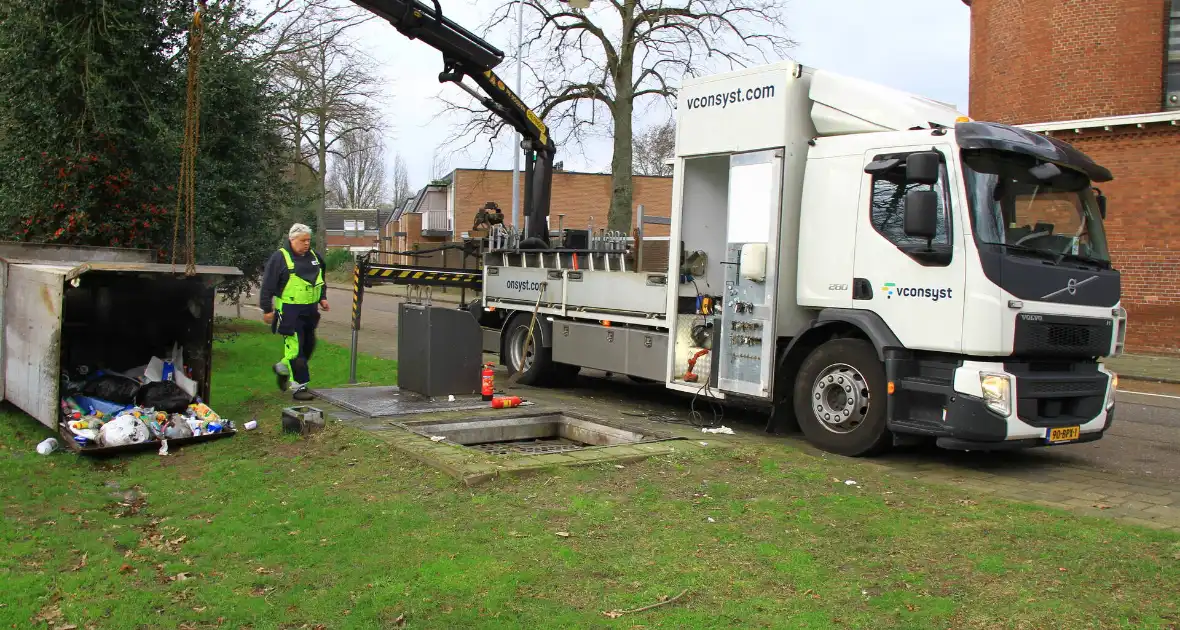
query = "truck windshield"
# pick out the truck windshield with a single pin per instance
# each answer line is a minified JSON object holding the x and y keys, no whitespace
{"x":1056,"y":217}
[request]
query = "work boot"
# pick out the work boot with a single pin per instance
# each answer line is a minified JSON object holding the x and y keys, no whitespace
{"x":302,"y":394}
{"x":283,"y":375}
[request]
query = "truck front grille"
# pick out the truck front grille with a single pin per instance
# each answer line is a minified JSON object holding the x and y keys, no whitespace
{"x":1061,"y":337}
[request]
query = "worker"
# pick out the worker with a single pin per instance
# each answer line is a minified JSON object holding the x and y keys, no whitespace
{"x":292,"y":290}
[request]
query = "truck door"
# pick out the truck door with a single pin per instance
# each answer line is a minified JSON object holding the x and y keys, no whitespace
{"x":915,"y":286}
{"x":747,"y":336}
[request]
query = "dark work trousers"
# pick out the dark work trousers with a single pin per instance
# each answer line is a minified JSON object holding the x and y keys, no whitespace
{"x":297,"y":324}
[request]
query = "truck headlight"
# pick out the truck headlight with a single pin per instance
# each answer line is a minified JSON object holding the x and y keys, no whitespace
{"x":997,"y":392}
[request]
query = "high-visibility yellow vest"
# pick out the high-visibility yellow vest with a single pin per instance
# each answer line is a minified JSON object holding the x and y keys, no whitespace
{"x":298,"y":290}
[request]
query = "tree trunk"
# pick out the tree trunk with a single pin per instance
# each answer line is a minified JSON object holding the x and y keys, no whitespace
{"x":622,"y":185}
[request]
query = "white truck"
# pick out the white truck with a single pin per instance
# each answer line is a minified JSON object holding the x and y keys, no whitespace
{"x":876,"y":262}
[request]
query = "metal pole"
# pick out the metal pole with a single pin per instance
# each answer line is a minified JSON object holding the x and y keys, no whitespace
{"x":358,"y":295}
{"x":516,"y":150}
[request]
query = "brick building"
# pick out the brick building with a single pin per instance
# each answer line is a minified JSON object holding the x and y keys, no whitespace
{"x":445,"y":210}
{"x":1103,"y":75}
{"x":356,"y":229}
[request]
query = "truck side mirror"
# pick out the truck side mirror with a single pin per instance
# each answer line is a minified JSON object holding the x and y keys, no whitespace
{"x":922,"y":168}
{"x":921,"y":214}
{"x":1101,"y":199}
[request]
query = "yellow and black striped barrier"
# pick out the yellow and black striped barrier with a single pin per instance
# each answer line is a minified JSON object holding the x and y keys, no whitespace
{"x":420,"y":276}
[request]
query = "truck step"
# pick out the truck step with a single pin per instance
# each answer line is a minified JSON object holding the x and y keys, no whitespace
{"x":925,"y":384}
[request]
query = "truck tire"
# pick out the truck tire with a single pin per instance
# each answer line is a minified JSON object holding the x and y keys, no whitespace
{"x":537,"y":365}
{"x":840,"y":400}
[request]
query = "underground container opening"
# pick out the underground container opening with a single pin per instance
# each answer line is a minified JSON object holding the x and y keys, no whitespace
{"x":548,"y":433}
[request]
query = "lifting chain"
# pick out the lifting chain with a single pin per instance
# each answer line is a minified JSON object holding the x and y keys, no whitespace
{"x":186,"y":188}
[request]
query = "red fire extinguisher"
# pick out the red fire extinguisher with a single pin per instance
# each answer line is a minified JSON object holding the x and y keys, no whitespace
{"x":504,"y":402}
{"x":488,"y":386}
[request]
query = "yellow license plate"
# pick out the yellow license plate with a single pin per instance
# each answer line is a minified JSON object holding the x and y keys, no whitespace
{"x":1064,"y":434}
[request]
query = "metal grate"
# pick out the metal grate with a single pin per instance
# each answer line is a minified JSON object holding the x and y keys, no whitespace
{"x":1086,"y":387}
{"x":529,"y":447}
{"x":1061,"y":339}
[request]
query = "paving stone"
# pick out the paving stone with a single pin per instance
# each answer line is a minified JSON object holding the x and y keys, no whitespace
{"x":1165,"y":513}
{"x":1136,"y":506}
{"x":1153,"y":499}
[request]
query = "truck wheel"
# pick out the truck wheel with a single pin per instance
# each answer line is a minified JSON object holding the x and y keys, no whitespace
{"x":840,"y":398}
{"x":535,"y":364}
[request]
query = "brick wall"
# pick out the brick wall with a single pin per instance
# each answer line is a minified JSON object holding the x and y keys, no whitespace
{"x":577,"y":195}
{"x":1142,"y":227}
{"x":1048,"y":60}
{"x":1045,"y":60}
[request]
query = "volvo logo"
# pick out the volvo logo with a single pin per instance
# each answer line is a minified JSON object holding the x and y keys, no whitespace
{"x":1070,"y":287}
{"x":1031,"y":318}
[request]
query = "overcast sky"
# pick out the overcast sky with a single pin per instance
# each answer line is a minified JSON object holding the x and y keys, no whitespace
{"x":919,"y":46}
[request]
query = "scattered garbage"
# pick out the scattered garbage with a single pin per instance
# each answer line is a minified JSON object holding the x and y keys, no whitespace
{"x":850,"y":482}
{"x":437,"y":438}
{"x":164,"y":396}
{"x":47,"y":446}
{"x":450,"y":398}
{"x":251,"y":425}
{"x":154,"y":403}
{"x":128,"y":428}
{"x":711,"y":520}
{"x":721,"y":429}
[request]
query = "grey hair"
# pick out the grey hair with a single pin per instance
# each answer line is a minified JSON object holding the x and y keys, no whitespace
{"x":298,"y":229}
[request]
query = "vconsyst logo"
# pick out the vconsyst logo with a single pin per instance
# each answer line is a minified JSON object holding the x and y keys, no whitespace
{"x":930,"y":293}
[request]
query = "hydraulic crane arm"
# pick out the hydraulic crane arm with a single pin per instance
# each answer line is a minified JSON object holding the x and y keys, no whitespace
{"x":468,"y":55}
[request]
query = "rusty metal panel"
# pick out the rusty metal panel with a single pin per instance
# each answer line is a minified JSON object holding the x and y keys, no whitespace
{"x":32,"y":339}
{"x":50,"y":252}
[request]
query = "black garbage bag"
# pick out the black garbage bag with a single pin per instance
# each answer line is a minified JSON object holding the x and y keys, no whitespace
{"x":163,"y":396}
{"x":114,"y":388}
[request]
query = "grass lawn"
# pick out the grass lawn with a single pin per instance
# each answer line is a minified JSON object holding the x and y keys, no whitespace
{"x":338,"y":531}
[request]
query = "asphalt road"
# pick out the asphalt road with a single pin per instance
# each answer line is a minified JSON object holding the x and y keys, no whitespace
{"x":1143,"y":442}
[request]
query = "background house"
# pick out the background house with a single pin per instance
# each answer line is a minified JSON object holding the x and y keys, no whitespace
{"x":355,"y":229}
{"x":1103,"y":75}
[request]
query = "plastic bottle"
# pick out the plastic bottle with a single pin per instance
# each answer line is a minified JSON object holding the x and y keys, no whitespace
{"x":251,"y":425}
{"x":47,"y":446}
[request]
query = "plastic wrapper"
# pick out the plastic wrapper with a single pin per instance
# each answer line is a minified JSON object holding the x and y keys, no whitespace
{"x":123,"y":430}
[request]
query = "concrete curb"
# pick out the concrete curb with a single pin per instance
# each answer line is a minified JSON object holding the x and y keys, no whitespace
{"x":1139,"y":378}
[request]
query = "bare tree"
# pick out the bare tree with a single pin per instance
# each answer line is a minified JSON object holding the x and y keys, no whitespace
{"x":357,"y":177}
{"x":401,"y":182}
{"x":653,"y":149}
{"x":592,"y":66}
{"x":279,"y":28}
{"x":438,"y":164}
{"x":329,"y":91}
